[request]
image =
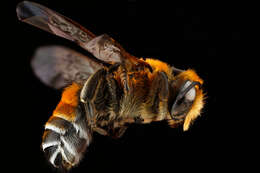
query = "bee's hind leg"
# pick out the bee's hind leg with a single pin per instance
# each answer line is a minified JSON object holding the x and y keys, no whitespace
{"x":89,"y":94}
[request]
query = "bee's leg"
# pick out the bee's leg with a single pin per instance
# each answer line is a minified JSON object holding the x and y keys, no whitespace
{"x":114,"y":99}
{"x":163,"y":95}
{"x":100,"y":131}
{"x":124,"y":79}
{"x":123,"y":75}
{"x":118,"y":129}
{"x":92,"y":97}
{"x":119,"y":132}
{"x":88,"y":90}
{"x":158,"y":95}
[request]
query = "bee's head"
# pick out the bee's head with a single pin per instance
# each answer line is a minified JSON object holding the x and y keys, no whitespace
{"x":187,"y":97}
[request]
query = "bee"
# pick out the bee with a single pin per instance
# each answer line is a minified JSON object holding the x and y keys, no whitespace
{"x":104,"y":92}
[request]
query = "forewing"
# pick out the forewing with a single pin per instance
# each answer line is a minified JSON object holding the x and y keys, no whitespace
{"x":102,"y":47}
{"x":57,"y":66}
{"x":53,"y":22}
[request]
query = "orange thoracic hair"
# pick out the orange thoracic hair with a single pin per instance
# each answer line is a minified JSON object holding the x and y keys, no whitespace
{"x":160,"y":66}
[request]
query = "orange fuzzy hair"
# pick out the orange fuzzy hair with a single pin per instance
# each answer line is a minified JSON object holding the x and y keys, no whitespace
{"x":159,"y":66}
{"x":195,"y":109}
{"x":69,"y":101}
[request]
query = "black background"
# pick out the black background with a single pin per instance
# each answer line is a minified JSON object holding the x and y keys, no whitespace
{"x":206,"y":37}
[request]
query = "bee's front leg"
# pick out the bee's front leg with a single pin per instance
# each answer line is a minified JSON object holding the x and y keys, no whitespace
{"x":158,"y":95}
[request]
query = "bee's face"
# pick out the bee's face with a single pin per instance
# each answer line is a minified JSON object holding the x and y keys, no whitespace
{"x":188,"y":98}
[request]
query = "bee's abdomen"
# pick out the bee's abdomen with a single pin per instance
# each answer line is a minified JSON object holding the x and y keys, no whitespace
{"x":64,"y":142}
{"x":66,"y":135}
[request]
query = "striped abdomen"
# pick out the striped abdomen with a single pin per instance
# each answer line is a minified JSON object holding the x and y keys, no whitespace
{"x":66,"y":135}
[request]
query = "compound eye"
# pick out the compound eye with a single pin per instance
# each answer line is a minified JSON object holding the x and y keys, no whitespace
{"x":190,"y":95}
{"x":184,"y":100}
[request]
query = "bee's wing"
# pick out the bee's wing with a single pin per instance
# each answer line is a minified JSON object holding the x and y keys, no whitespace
{"x":57,"y":66}
{"x":102,"y":47}
{"x":50,"y":21}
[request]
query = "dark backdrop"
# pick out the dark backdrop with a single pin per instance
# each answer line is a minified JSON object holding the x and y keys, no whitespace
{"x":206,"y":37}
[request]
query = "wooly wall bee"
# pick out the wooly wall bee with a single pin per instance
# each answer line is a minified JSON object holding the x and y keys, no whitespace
{"x":107,"y":95}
